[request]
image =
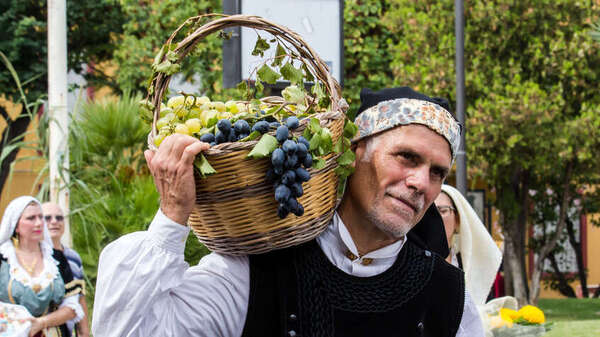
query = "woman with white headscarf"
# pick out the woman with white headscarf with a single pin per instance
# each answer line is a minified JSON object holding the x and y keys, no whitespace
{"x":33,"y":274}
{"x":471,"y":246}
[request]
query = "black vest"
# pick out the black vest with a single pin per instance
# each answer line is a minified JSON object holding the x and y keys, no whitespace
{"x":298,"y":292}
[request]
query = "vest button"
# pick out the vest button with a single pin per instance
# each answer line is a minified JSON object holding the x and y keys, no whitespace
{"x":292,"y":333}
{"x":293,"y":317}
{"x":420,"y":327}
{"x":427,"y":253}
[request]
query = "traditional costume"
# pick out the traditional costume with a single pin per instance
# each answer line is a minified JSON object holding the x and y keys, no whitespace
{"x":53,"y":288}
{"x":319,"y":288}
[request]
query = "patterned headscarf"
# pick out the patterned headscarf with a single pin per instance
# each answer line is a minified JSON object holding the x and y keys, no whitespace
{"x":385,"y":109}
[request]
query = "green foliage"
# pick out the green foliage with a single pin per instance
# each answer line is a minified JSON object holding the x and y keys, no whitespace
{"x":146,"y":29}
{"x":112,"y":192}
{"x":92,"y":26}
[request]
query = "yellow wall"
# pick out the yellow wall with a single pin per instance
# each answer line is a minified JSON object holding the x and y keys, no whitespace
{"x":26,"y":168}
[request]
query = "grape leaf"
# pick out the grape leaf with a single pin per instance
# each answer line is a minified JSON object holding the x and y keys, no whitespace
{"x":242,"y":86}
{"x":158,"y":57}
{"x":225,"y":35}
{"x":326,"y":143}
{"x":293,"y":93}
{"x":259,"y":86}
{"x":307,"y":74}
{"x":314,"y":142}
{"x":243,"y":90}
{"x":203,"y":166}
{"x":291,"y":74}
{"x":167,"y":67}
{"x":344,"y":171}
{"x":172,"y":56}
{"x":318,"y":163}
{"x":350,"y":129}
{"x":347,"y":142}
{"x":279,"y":56}
{"x":317,"y":89}
{"x":314,"y":125}
{"x":346,"y":158}
{"x":260,"y":47}
{"x":337,"y":148}
{"x":264,"y":147}
{"x":306,"y":134}
{"x":251,"y":136}
{"x":266,"y":74}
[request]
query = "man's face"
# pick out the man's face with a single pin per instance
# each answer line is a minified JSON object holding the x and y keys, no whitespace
{"x":54,"y":219}
{"x":399,"y":178}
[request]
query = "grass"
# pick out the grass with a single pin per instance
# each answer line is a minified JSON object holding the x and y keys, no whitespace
{"x":572,"y":317}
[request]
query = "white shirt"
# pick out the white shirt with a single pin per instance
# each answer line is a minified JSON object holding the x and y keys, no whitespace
{"x":145,"y":288}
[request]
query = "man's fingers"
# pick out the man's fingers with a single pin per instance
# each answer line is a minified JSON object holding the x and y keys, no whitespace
{"x":190,"y":152}
{"x":178,"y":144}
{"x":149,"y":154}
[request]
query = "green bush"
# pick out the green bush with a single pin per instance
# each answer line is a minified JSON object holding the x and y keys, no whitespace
{"x":112,"y":192}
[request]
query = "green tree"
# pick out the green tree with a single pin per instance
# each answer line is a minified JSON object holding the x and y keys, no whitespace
{"x":531,"y":76}
{"x":91,"y":27}
{"x":146,"y":29}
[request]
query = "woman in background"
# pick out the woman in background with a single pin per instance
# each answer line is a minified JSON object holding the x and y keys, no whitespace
{"x":34,"y":275}
{"x":471,"y":246}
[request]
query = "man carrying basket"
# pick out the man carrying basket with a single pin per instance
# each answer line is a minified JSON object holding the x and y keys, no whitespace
{"x":362,"y":276}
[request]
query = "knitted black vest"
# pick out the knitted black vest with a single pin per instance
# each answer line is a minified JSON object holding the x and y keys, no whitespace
{"x":298,"y":292}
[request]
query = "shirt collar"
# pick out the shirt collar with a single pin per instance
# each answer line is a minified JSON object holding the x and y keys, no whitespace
{"x":341,"y":232}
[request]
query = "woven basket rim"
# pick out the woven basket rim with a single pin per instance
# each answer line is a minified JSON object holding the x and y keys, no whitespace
{"x":307,"y":56}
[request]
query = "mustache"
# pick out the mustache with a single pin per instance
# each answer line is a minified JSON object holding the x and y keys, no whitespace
{"x":414,"y":199}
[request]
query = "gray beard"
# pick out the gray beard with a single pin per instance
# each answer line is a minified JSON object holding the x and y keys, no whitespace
{"x":396,"y":231}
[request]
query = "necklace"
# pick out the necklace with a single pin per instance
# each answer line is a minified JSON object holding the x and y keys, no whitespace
{"x":29,"y":268}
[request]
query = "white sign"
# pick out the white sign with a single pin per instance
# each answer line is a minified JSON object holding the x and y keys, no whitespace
{"x":318,"y":22}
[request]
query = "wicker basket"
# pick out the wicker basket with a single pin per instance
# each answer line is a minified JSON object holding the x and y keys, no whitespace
{"x":235,"y":211}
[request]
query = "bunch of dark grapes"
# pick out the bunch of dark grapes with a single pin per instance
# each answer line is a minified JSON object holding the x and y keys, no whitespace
{"x":288,"y":169}
{"x":226,"y":132}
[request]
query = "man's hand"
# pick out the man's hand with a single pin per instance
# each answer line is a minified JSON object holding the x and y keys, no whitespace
{"x":173,"y":169}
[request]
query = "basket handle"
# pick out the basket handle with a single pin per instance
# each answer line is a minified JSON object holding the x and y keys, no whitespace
{"x":307,"y":55}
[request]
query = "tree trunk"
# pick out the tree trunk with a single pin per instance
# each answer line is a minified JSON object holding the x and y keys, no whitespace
{"x":563,"y":286}
{"x":514,"y":211}
{"x":13,"y":129}
{"x":513,"y":262}
{"x":550,"y":244}
{"x":581,"y":272}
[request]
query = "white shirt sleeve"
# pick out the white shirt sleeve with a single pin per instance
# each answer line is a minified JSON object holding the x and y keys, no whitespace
{"x":470,"y":324}
{"x":145,"y":287}
{"x":73,"y":303}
